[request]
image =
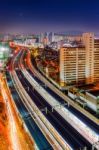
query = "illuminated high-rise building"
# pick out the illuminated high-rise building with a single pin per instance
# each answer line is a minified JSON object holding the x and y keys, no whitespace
{"x":72,"y":65}
{"x":88,"y":40}
{"x":80,"y":64}
{"x":96,"y":60}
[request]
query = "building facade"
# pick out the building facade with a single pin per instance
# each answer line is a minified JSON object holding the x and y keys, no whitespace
{"x":88,"y":40}
{"x":96,"y":60}
{"x":72,"y":65}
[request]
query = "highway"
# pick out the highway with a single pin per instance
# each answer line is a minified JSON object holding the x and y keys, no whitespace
{"x":74,"y":133}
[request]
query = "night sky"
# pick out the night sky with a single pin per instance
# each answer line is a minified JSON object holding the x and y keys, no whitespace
{"x":49,"y":15}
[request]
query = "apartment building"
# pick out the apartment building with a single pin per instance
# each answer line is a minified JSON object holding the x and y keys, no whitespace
{"x":80,"y":64}
{"x":96,"y":60}
{"x":88,"y":40}
{"x":72,"y":65}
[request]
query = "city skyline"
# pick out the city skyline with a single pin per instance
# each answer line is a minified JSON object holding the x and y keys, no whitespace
{"x":49,"y":75}
{"x":39,"y":16}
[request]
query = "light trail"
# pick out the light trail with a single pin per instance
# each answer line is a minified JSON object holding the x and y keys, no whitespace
{"x":12,"y":125}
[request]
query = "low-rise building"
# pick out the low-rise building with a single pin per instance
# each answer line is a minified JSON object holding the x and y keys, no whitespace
{"x":89,"y":98}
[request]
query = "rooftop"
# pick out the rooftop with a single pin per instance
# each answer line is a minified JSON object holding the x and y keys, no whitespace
{"x":73,"y":44}
{"x":86,"y":88}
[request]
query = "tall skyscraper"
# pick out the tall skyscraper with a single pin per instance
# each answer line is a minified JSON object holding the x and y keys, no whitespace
{"x":88,"y":40}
